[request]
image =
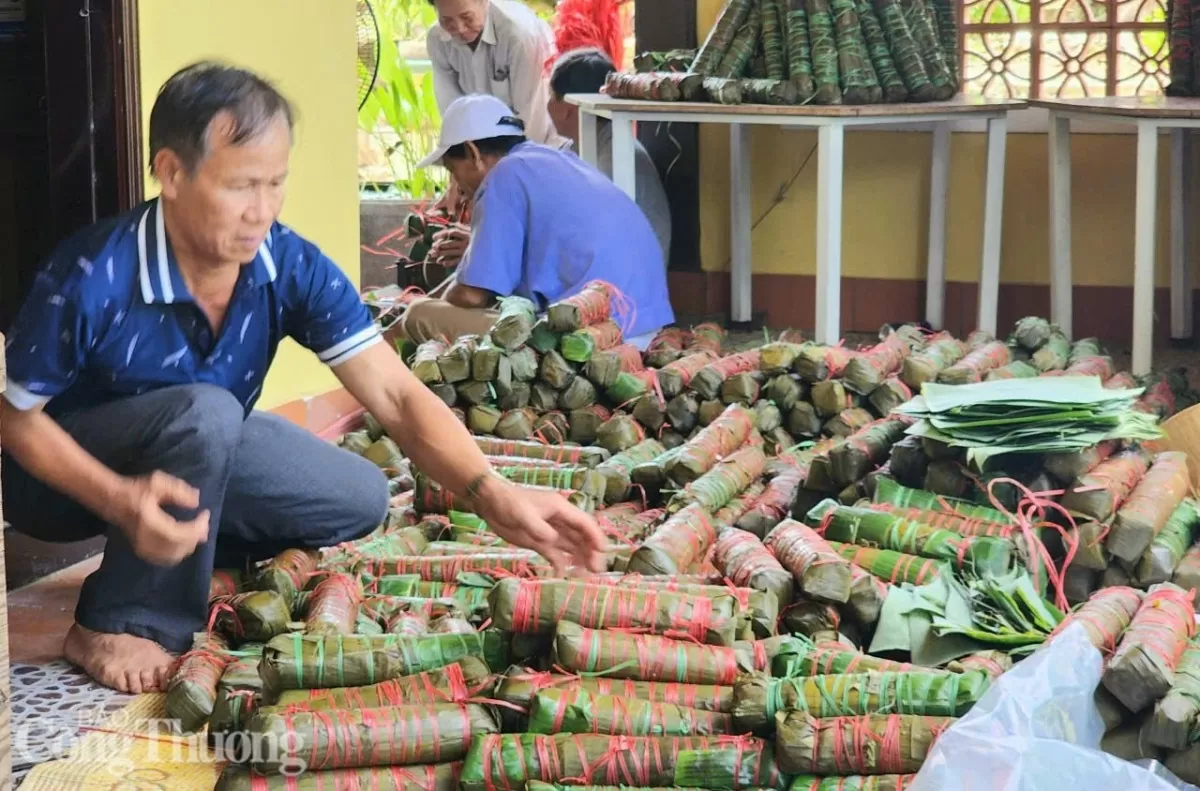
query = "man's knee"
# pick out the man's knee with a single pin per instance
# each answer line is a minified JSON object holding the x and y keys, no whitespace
{"x":417,"y":320}
{"x":364,"y":500}
{"x":206,"y":417}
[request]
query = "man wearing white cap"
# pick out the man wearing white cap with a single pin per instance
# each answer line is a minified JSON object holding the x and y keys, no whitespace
{"x":544,"y":224}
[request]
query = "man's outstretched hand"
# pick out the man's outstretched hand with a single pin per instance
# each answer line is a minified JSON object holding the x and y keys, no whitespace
{"x":544,"y":522}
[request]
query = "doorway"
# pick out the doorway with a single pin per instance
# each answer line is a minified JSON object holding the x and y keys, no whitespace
{"x":70,"y":154}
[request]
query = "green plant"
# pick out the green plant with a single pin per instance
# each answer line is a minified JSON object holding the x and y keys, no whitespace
{"x":401,"y":113}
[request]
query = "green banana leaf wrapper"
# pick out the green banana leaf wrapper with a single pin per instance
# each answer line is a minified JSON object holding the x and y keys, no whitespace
{"x":728,"y":514}
{"x":1017,"y":369}
{"x":867,"y":370}
{"x":890,"y":394}
{"x":519,"y":687}
{"x":619,"y":468}
{"x":743,"y":388}
{"x":457,"y":682}
{"x":353,"y":738}
{"x":399,"y":541}
{"x":450,"y":624}
{"x":867,"y":595}
{"x":536,"y":606}
{"x":1187,"y":573}
{"x":575,"y":478}
{"x":529,"y":449}
{"x":304,"y":662}
{"x":708,"y":380}
{"x":769,"y":510}
{"x":447,"y":568}
{"x":1160,"y":559}
{"x":865,"y":449}
{"x":674,"y":377}
{"x":584,"y":423}
{"x":811,"y":618}
{"x":676,"y":544}
{"x":514,"y":324}
{"x":254,"y":616}
{"x":993,"y":664}
{"x":651,"y":412}
{"x":579,"y":345}
{"x":225,"y":582}
{"x":925,"y":365}
{"x":1067,"y":466}
{"x":524,"y":364}
{"x":830,"y":398}
{"x":852,"y":783}
{"x":471,"y":598}
{"x":543,"y":339}
{"x":516,"y":423}
{"x":889,"y":566}
{"x":830,"y":658}
{"x":591,"y":305}
{"x":237,"y":694}
{"x":441,"y":549}
{"x":538,"y":785}
{"x":192,"y":688}
{"x":1173,"y":724}
{"x":333,"y":606}
{"x":619,"y":433}
{"x":903,"y":497}
{"x":817,"y":363}
{"x":758,"y":697}
{"x":287,"y":573}
{"x":859,"y":745}
{"x":1142,"y":669}
{"x":424,"y":363}
{"x":716,"y":441}
{"x":509,"y":761}
{"x":739,"y":762}
{"x":976,"y":364}
{"x":778,"y":357}
{"x":821,"y":572}
{"x":578,"y":394}
{"x":356,"y":442}
{"x":743,"y":558}
{"x":603,"y":368}
{"x":576,"y":711}
{"x":1031,"y":332}
{"x":849,"y":525}
{"x":429,"y":777}
{"x":487,"y":361}
{"x":455,"y":362}
{"x":785,"y":392}
{"x":1149,"y":507}
{"x":627,"y":388}
{"x":767,"y":416}
{"x":715,"y":488}
{"x":1053,"y":354}
{"x":649,"y":657}
{"x":1099,"y":493}
{"x":759,"y":608}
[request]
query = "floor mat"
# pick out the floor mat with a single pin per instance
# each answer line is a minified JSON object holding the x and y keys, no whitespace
{"x":132,"y":750}
{"x":70,"y":733}
{"x":51,"y":703}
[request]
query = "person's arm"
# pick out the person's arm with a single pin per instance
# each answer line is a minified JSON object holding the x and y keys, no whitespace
{"x":47,"y":349}
{"x":333,"y":322}
{"x":445,"y":79}
{"x":469,"y":297}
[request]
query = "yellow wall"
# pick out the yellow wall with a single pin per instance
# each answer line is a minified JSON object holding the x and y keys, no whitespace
{"x":886,"y":203}
{"x":306,"y":47}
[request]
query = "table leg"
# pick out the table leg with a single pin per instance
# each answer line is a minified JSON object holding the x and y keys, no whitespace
{"x":1181,"y":199}
{"x":830,"y":154}
{"x":589,"y":138}
{"x":939,"y":186}
{"x":624,"y":171}
{"x":1143,"y":246}
{"x":1060,"y":223}
{"x":740,"y":224}
{"x":993,"y":208}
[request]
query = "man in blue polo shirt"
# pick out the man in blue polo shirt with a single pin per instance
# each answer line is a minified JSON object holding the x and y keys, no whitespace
{"x":544,"y":224}
{"x":134,"y":366}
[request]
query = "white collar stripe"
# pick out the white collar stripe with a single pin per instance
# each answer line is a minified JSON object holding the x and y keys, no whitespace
{"x":143,"y":265}
{"x":268,"y":259}
{"x":164,"y":270}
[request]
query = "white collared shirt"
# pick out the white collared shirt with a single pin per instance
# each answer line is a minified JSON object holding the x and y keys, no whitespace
{"x":508,"y":63}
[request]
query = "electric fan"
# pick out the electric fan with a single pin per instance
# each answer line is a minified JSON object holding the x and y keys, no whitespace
{"x":368,"y":50}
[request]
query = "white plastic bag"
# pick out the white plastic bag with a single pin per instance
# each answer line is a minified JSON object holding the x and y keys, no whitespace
{"x":1038,"y":729}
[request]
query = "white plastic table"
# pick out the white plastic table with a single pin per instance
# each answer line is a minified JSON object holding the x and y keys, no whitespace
{"x":1149,"y":115}
{"x":831,"y":124}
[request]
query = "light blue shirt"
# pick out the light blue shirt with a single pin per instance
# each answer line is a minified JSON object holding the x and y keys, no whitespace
{"x":545,"y":224}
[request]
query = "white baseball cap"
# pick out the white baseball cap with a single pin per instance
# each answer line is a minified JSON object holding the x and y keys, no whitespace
{"x":474,"y":117}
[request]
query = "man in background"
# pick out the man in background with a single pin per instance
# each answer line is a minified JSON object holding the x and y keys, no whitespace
{"x":544,"y":225}
{"x":584,"y":71}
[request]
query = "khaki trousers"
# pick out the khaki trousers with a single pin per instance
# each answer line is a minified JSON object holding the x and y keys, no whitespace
{"x":429,"y":319}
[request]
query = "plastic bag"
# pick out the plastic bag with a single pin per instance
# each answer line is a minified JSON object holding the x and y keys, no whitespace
{"x":1038,"y":729}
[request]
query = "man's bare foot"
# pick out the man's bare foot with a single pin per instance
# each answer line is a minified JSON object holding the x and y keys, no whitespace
{"x":121,"y":661}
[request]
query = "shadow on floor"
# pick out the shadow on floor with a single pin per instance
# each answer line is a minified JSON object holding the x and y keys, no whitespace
{"x":27,"y":559}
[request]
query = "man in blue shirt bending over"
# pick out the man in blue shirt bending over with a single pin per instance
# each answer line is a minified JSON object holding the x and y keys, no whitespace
{"x":134,"y":366}
{"x":544,"y":224}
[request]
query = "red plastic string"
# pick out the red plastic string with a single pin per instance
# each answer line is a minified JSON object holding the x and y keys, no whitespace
{"x":1090,"y":614}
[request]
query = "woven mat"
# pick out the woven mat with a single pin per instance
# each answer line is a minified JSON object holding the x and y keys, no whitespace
{"x":131,"y":750}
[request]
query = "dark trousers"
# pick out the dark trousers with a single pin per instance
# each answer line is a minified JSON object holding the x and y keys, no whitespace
{"x":268,"y":484}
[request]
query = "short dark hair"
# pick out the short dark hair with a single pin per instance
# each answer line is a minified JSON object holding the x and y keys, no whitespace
{"x":494,"y":146}
{"x":194,"y":95}
{"x":580,"y":71}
